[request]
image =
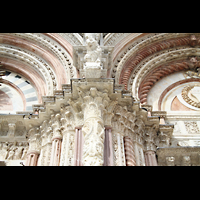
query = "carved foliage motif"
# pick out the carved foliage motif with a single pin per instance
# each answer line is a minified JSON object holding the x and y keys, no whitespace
{"x":192,"y":127}
{"x":150,"y":136}
{"x":125,"y":124}
{"x":60,"y":126}
{"x":185,"y":95}
{"x":93,"y":131}
{"x":13,"y":150}
{"x":92,"y":105}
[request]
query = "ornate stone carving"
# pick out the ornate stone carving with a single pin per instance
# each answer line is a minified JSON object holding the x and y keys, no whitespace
{"x":193,"y":40}
{"x":191,"y":127}
{"x":186,"y":161}
{"x":34,"y":139}
{"x":149,"y":137}
{"x":93,"y":131}
{"x":178,"y":156}
{"x":13,"y":150}
{"x":186,"y":93}
{"x":93,"y":106}
{"x":170,"y":161}
{"x":92,"y":59}
{"x":56,"y":125}
{"x":164,"y":135}
{"x":129,"y":152}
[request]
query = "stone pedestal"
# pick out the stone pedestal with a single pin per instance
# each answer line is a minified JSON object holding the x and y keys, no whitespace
{"x":150,"y":158}
{"x":93,"y":73}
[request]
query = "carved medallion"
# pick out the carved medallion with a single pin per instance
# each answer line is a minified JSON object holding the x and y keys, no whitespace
{"x":191,"y":94}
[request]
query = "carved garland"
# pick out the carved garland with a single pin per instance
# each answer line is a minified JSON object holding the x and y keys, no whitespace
{"x":185,"y":96}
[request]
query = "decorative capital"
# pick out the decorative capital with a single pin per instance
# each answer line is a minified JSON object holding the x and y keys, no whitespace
{"x":149,"y":137}
{"x":164,"y":135}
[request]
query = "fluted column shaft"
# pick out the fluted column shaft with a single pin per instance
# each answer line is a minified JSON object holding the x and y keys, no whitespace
{"x":78,"y":147}
{"x":150,"y":158}
{"x":56,"y":151}
{"x":32,"y":158}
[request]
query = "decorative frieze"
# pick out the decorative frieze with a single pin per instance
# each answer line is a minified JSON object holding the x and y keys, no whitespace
{"x":178,"y":156}
{"x":192,"y":127}
{"x":13,"y":150}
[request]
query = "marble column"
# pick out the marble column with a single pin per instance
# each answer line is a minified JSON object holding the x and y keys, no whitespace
{"x":56,"y":151}
{"x":32,"y":158}
{"x":108,"y":148}
{"x":129,"y":152}
{"x":34,"y":147}
{"x":150,"y":158}
{"x":78,"y":147}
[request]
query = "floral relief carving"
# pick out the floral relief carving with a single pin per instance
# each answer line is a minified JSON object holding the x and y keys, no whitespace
{"x":186,"y":96}
{"x":93,"y":131}
{"x":192,"y":127}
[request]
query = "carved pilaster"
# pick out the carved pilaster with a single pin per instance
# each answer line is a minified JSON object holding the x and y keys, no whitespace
{"x":56,"y":152}
{"x":34,"y":147}
{"x":93,"y":129}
